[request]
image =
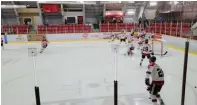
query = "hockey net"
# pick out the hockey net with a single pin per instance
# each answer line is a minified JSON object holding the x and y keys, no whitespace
{"x":158,"y":45}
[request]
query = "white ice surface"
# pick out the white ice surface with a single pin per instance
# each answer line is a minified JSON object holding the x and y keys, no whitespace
{"x":82,"y":74}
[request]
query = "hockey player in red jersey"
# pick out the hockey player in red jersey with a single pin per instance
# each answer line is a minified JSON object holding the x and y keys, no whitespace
{"x":157,"y":77}
{"x":146,"y":51}
{"x":44,"y":44}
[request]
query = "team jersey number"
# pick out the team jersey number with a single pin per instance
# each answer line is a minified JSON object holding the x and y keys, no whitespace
{"x":145,"y":49}
{"x":160,"y":72}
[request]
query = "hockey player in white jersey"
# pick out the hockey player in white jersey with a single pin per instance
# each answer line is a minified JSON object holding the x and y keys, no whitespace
{"x":141,"y":41}
{"x":130,"y":45}
{"x":157,"y":77}
{"x":131,"y":37}
{"x":113,"y":36}
{"x":123,"y":37}
{"x":146,"y":51}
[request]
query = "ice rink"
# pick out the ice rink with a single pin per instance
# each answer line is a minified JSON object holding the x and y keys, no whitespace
{"x":82,"y":73}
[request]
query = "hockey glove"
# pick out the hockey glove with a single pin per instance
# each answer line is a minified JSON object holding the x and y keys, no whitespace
{"x":147,"y":82}
{"x":148,"y":88}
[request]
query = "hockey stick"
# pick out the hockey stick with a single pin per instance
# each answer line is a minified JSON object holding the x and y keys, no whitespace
{"x":160,"y":54}
{"x":165,"y":53}
{"x":41,"y":50}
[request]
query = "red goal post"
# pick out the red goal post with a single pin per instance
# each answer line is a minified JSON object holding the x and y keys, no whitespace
{"x":158,"y":46}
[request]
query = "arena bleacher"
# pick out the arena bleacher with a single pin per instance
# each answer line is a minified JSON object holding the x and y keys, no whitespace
{"x":55,"y":26}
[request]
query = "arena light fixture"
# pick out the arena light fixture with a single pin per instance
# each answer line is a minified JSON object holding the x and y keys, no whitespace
{"x":153,"y":3}
{"x":174,"y":2}
{"x":130,"y":11}
{"x":113,"y":13}
{"x":67,"y":2}
{"x":109,"y":2}
{"x":115,"y":1}
{"x":81,"y":2}
{"x":131,"y":1}
{"x":13,"y":6}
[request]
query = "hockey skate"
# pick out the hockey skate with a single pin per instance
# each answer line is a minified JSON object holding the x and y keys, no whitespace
{"x":42,"y":49}
{"x":161,"y":102}
{"x":129,"y":54}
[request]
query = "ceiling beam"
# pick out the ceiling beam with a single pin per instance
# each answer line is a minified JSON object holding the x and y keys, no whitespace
{"x":40,"y":13}
{"x":62,"y":12}
{"x":16,"y":13}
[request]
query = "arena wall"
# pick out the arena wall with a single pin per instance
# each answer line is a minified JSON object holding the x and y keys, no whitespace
{"x":179,"y":43}
{"x":17,"y":38}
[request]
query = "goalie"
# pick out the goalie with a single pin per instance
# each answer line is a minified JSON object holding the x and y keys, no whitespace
{"x":146,"y":51}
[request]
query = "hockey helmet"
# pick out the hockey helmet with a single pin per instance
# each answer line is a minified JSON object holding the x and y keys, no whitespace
{"x":132,"y":48}
{"x":146,"y":41}
{"x":152,"y":59}
{"x":142,"y":36}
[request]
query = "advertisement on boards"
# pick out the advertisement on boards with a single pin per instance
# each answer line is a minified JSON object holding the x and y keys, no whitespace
{"x":106,"y":35}
{"x":85,"y":35}
{"x":17,"y":38}
{"x":20,"y":38}
{"x":35,"y":37}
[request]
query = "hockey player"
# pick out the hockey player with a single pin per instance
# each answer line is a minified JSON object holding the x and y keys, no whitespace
{"x":131,"y":37}
{"x":112,"y":37}
{"x":141,"y":41}
{"x":44,"y":44}
{"x":146,"y":51}
{"x":123,"y":37}
{"x":2,"y":43}
{"x":157,"y":77}
{"x":130,"y":44}
{"x":131,"y":48}
{"x":143,"y":32}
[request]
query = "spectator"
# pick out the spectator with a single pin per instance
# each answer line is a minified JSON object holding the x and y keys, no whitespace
{"x":140,"y":21}
{"x":46,"y":23}
{"x":146,"y":24}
